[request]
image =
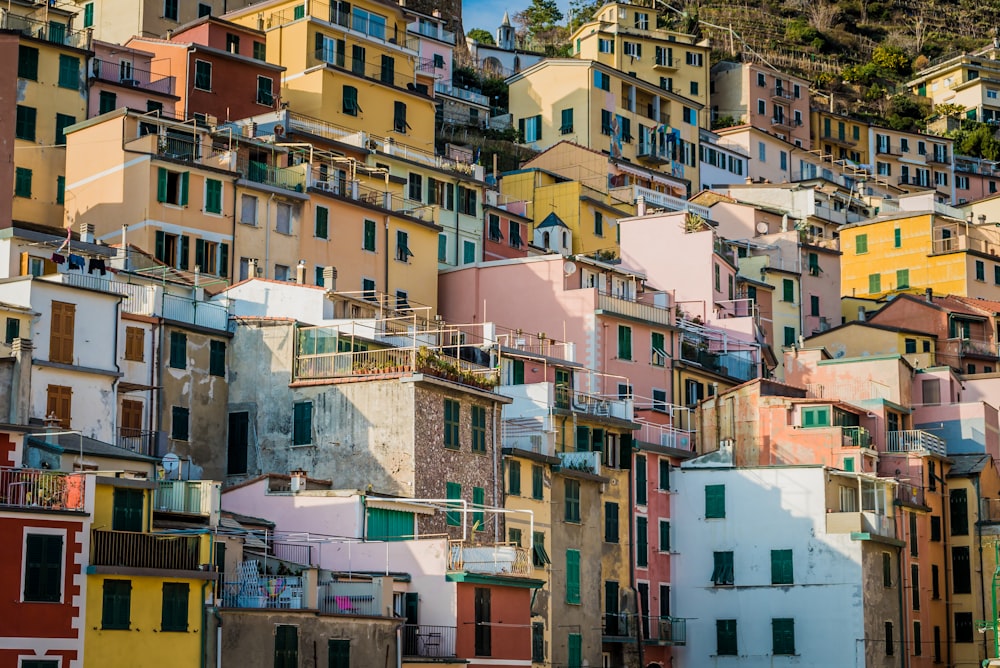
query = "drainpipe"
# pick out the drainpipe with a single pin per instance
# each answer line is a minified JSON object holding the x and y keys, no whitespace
{"x":267,"y":238}
{"x":204,"y":619}
{"x":945,"y":506}
{"x":903,"y":655}
{"x":982,"y":583}
{"x":385,"y":255}
{"x":218,"y":637}
{"x":496,"y":478}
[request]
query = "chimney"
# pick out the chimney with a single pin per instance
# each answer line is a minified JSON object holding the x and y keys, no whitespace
{"x":87,"y":233}
{"x":300,"y":273}
{"x":861,"y":314}
{"x":640,"y":206}
{"x":929,"y":295}
{"x":330,"y":278}
{"x":298,"y":480}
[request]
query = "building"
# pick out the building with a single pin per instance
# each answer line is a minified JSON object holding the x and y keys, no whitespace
{"x":975,"y":179}
{"x":862,"y":338}
{"x":605,"y":109}
{"x":762,"y":97}
{"x":121,"y":76}
{"x":720,"y":165}
{"x":509,"y":55}
{"x":628,"y":38}
{"x":966,"y":80}
{"x":115,"y":21}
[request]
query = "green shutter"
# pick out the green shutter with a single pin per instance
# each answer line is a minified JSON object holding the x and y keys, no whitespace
{"x":582,"y":438}
{"x":299,"y":12}
{"x":478,"y":501}
{"x":116,"y":613}
{"x":199,"y":253}
{"x":641,"y":541}
{"x":213,"y":196}
{"x":369,"y":235}
{"x":60,"y":189}
{"x":217,"y":358}
{"x":180,"y":419}
{"x":641,"y":491}
{"x":787,"y":290}
{"x":537,"y":481}
{"x":575,"y":650}
{"x":514,"y":477}
{"x":715,"y":501}
{"x":302,"y":423}
{"x":175,"y":606}
{"x":322,"y":222}
{"x":453,"y":490}
{"x":903,"y":278}
{"x":127,"y":509}
{"x":781,"y":567}
{"x":725,"y":637}
{"x":874,"y":283}
{"x":664,"y":536}
{"x":161,"y":186}
{"x":340,"y":653}
{"x":63,"y":121}
{"x":610,"y":522}
{"x":624,"y":342}
{"x":184,"y":245}
{"x":88,"y":15}
{"x":384,"y":524}
{"x":572,"y":576}
{"x":223,"y":260}
{"x":286,"y":646}
{"x":27,"y":62}
{"x":783,"y":636}
{"x":178,"y":350}
{"x":184,"y":189}
{"x":897,"y":237}
{"x":861,"y":244}
{"x":43,"y":568}
{"x":518,"y":372}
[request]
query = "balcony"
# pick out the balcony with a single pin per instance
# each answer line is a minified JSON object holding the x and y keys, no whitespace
{"x":566,"y":398}
{"x":41,"y":489}
{"x":652,"y":151}
{"x":370,"y":70}
{"x":732,"y":364}
{"x":910,"y":494}
{"x":499,"y":559}
{"x":191,"y":497}
{"x":664,"y":435}
{"x":125,"y":75}
{"x":856,"y":437}
{"x":618,"y":627}
{"x":963,"y":346}
{"x":469,"y":96}
{"x":860,"y":522}
{"x":281,"y":592}
{"x":779,"y":94}
{"x":940,"y":157}
{"x":963,"y":242}
{"x":195,"y":312}
{"x":287,"y":178}
{"x":915,"y":440}
{"x":432,"y":30}
{"x":428,"y":641}
{"x":668,"y":202}
{"x":840,"y":139}
{"x":783,"y":122}
{"x":849,"y":391}
{"x":353,"y":598}
{"x":588,"y":462}
{"x":49,"y":31}
{"x":664,"y":62}
{"x":336,"y":15}
{"x":529,"y":434}
{"x":656,"y":310}
{"x":665,"y":631}
{"x":137,"y":440}
{"x":126,"y":549}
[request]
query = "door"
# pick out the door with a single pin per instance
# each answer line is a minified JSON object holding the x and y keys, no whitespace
{"x":643,"y":605}
{"x":410,"y":630}
{"x":239,"y":442}
{"x":611,"y":626}
{"x":483,"y":627}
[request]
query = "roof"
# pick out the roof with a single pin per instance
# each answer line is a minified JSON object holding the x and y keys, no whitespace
{"x":71,"y":443}
{"x":968,"y":465}
{"x":870,"y":325}
{"x":947,"y":304}
{"x":552,"y":220}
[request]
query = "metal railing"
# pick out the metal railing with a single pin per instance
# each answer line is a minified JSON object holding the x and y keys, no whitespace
{"x":499,"y":559}
{"x":964,"y":346}
{"x":428,"y":641}
{"x":461,"y":94}
{"x":194,"y":497}
{"x":664,"y":435}
{"x":737,"y":308}
{"x":51,"y":31}
{"x":137,"y":440}
{"x":38,"y":488}
{"x":351,"y":598}
{"x":339,"y":14}
{"x":431,"y":30}
{"x":589,"y":462}
{"x":271,"y":591}
{"x":395,"y":360}
{"x":145,"y":550}
{"x":633,"y":308}
{"x":911,"y":494}
{"x":618,"y":625}
{"x":857,"y":437}
{"x":665,"y":630}
{"x":195,"y":312}
{"x":568,"y":398}
{"x":125,"y":74}
{"x":280,"y":177}
{"x":915,"y":440}
{"x":371,"y":70}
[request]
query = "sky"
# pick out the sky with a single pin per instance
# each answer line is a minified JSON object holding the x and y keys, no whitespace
{"x":487,"y":14}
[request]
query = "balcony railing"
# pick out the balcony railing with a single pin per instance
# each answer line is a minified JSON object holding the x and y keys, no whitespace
{"x":726,"y":363}
{"x":431,"y":30}
{"x":145,"y":550}
{"x":351,"y":598}
{"x":500,"y":559}
{"x":194,"y":497}
{"x":618,"y":626}
{"x":127,"y":75}
{"x":428,"y":641}
{"x":664,"y":435}
{"x":670,"y":203}
{"x":857,"y":437}
{"x":915,"y":440}
{"x":371,"y":70}
{"x":567,"y":398}
{"x":278,"y":591}
{"x":137,"y":440}
{"x":51,"y":31}
{"x":279,"y":177}
{"x":911,"y":494}
{"x":531,"y":434}
{"x":195,"y":312}
{"x":665,"y":630}
{"x":860,"y":522}
{"x":849,"y":390}
{"x":632,"y":308}
{"x":38,"y":488}
{"x":461,"y":94}
{"x":339,"y":14}
{"x":737,"y":308}
{"x":589,"y":462}
{"x":963,"y":346}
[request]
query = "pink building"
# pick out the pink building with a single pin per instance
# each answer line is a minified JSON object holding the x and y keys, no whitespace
{"x":121,"y":76}
{"x":975,"y":179}
{"x":763,"y":98}
{"x":507,"y":232}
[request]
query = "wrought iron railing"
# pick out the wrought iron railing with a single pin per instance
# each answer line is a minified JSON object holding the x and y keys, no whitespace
{"x":39,"y":488}
{"x":145,"y":550}
{"x":351,"y":598}
{"x":428,"y":641}
{"x":125,"y":74}
{"x":269,"y":591}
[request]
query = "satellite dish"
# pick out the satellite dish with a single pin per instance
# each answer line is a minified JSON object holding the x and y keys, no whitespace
{"x":171,"y":466}
{"x":569,"y":268}
{"x":762,"y":227}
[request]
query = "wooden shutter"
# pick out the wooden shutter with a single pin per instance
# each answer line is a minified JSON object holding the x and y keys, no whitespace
{"x":135,"y":344}
{"x":59,"y":401}
{"x":61,"y":332}
{"x":131,"y":422}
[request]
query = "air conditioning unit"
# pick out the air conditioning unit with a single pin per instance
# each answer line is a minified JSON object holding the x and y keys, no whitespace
{"x":129,"y":82}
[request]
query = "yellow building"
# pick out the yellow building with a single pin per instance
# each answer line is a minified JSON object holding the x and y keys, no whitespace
{"x":116,"y":21}
{"x":913,"y":251}
{"x":145,"y":590}
{"x":866,"y":339}
{"x":353,"y":65}
{"x":604,"y":109}
{"x":51,"y":95}
{"x":839,"y":136}
{"x":970,"y":80}
{"x":625,"y":37}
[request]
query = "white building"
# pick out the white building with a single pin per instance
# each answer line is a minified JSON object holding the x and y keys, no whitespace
{"x":794,"y":565}
{"x":720,"y":165}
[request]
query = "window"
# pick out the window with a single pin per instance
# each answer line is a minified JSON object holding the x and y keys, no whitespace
{"x":814,"y":305}
{"x":321,"y":228}
{"x":175,"y":607}
{"x":902,"y":278}
{"x":664,"y":535}
{"x":350,"y":101}
{"x":43,"y":568}
{"x":106,"y":101}
{"x":248,"y":210}
{"x":282,"y":272}
{"x":816,"y":417}
{"x":632,"y":49}
{"x":172,"y":187}
{"x":59,"y":403}
{"x":117,"y":611}
{"x":935,"y":528}
{"x":624,"y":342}
{"x":442,"y":248}
{"x":478,"y":501}
{"x":689,"y":115}
{"x":514,"y":536}
{"x":781,"y":567}
{"x":265,"y":91}
{"x":641,"y":542}
{"x":640,"y":480}
{"x":217,"y":359}
{"x":642,"y":21}
{"x":61,"y":332}
{"x":665,"y":474}
{"x":302,"y":423}
{"x":24,"y":123}
{"x":513,"y":477}
{"x":479,"y":430}
{"x":962,"y":570}
{"x":695,"y":59}
{"x":203,"y":75}
{"x":537,"y":481}
{"x":602,"y":80}
{"x":874,"y":283}
{"x":761,"y":80}
{"x":605,"y":45}
{"x":715,"y":501}
{"x":694,"y":88}
{"x":886,"y":569}
{"x":783,"y":636}
{"x":514,"y":234}
{"x":915,"y":584}
{"x":539,"y":557}
{"x":369,"y":236}
{"x":538,"y":642}
{"x":566,"y":124}
{"x":452,"y":411}
{"x":416,"y":187}
{"x":180,"y":419}
{"x":468,"y":252}
{"x":22,"y":182}
{"x":286,"y":646}
{"x":69,"y":72}
{"x":399,"y":123}
{"x":531,"y":128}
{"x":134,"y":344}
{"x":27,"y":62}
{"x":403,"y":253}
{"x":659,"y":400}
{"x":178,"y":350}
{"x":787,"y":290}
{"x":598,"y":224}
{"x":368,"y":288}
{"x":917,"y":642}
{"x":170,"y":9}
{"x":722,"y":571}
{"x":658,"y":348}
{"x":890,"y":641}
{"x":573,"y":576}
{"x":259,"y":51}
{"x":12,"y":330}
{"x":789,"y":336}
{"x":980,"y":270}
{"x":610,"y":522}
{"x":935,"y":588}
{"x":861,"y":244}
{"x":725,"y":637}
{"x":572,"y":501}
{"x":453,"y":490}
{"x":213,"y":198}
{"x":339,"y":651}
{"x":959,"y":516}
{"x":963,"y":627}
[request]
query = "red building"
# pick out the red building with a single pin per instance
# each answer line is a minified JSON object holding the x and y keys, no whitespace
{"x":220,"y":69}
{"x":44,"y":524}
{"x":506,"y":233}
{"x":493,"y":619}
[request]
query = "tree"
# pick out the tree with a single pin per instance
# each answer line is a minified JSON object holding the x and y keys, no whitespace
{"x":582,"y":11}
{"x":976,"y":140}
{"x":481,"y":36}
{"x":540,"y":16}
{"x":891,"y":60}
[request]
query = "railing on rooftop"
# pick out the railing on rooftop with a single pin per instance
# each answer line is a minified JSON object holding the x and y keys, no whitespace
{"x":50,"y":31}
{"x":531,"y":434}
{"x":461,"y":94}
{"x":126,"y":75}
{"x":737,"y":308}
{"x":351,"y":598}
{"x":371,"y":26}
{"x":728,"y":363}
{"x":279,"y":177}
{"x":272,"y":591}
{"x":140,"y":441}
{"x":39,"y":488}
{"x":577,"y":401}
{"x":145,"y":550}
{"x":850,"y":391}
{"x":964,"y":242}
{"x":195,"y":312}
{"x":193,"y":497}
{"x":428,"y":641}
{"x":646,"y":309}
{"x":431,"y":30}
{"x":498,"y":559}
{"x":664,"y":436}
{"x":668,"y":202}
{"x":139,"y":298}
{"x":915,"y":440}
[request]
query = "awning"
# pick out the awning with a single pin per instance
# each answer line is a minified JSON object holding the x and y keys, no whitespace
{"x":402,"y":506}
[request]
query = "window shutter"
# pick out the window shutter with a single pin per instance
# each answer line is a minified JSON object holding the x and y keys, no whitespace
{"x":715,"y":501}
{"x":572,"y":576}
{"x":184,"y":189}
{"x":159,"y":250}
{"x":582,"y":438}
{"x":184,"y":243}
{"x":199,"y":253}
{"x":161,"y":185}
{"x":223,"y":260}
{"x":640,"y":480}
